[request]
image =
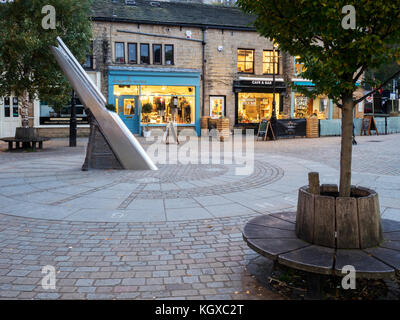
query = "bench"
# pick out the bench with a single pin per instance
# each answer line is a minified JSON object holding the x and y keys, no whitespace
{"x":26,"y":143}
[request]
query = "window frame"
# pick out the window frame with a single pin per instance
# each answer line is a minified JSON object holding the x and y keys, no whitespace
{"x":161,"y":53}
{"x":136,"y":51}
{"x":115,"y":52}
{"x":237,"y":60}
{"x":173,"y":54}
{"x":148,"y":50}
{"x":278,"y":64}
{"x":90,"y":58}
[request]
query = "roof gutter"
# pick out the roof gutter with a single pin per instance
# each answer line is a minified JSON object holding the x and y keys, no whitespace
{"x":173,"y":24}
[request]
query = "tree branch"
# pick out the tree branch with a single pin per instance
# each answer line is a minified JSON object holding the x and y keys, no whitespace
{"x":381,"y":86}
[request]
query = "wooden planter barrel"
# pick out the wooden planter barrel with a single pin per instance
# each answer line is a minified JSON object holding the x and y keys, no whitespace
{"x":339,"y":222}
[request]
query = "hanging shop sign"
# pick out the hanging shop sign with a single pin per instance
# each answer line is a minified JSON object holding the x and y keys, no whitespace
{"x":258,"y":86}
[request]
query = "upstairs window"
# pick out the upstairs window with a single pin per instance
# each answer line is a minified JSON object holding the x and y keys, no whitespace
{"x":270,"y":61}
{"x":119,"y":52}
{"x":157,"y":54}
{"x":144,"y":54}
{"x":132,"y":53}
{"x":169,"y":54}
{"x":298,"y":66}
{"x":245,"y":60}
{"x":88,"y":64}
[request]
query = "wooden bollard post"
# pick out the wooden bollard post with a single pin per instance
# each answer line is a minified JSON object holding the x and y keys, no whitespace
{"x":313,"y":183}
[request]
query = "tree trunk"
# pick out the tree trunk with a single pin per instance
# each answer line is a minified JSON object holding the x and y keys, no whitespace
{"x":346,"y":147}
{"x":25,"y":110}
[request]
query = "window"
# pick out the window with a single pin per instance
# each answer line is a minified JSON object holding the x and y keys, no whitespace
{"x":169,"y":54}
{"x":245,"y":60}
{"x":129,"y":107}
{"x":88,"y":64}
{"x":119,"y":52}
{"x":157,"y":54}
{"x":323,"y":105}
{"x":254,"y":107}
{"x":7,"y":107}
{"x":144,"y":54}
{"x":269,"y":61}
{"x":217,"y":107}
{"x":168,"y":103}
{"x":132,"y":53}
{"x":59,"y":114}
{"x":298,"y":66}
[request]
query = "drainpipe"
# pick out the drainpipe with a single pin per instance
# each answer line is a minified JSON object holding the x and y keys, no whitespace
{"x":203,"y":71}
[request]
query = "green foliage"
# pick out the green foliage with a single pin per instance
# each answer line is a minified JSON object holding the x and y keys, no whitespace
{"x":147,"y":108}
{"x":26,"y":62}
{"x":331,"y":55}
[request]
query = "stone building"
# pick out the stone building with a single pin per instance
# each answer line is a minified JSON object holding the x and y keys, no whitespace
{"x":158,"y":61}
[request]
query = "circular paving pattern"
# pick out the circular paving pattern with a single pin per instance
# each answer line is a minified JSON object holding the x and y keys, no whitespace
{"x":54,"y":188}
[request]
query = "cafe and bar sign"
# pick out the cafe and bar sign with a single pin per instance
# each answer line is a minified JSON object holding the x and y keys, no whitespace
{"x":258,"y":86}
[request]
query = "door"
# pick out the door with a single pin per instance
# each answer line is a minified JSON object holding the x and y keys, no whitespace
{"x":9,"y":116}
{"x":128,"y":110}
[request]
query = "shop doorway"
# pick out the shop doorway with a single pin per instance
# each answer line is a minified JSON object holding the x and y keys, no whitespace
{"x":128,"y":110}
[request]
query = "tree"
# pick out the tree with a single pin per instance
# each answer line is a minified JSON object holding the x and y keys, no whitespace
{"x":334,"y":56}
{"x":27,"y":67}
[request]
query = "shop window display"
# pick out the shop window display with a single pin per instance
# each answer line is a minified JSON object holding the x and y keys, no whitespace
{"x":306,"y":107}
{"x":217,"y":107}
{"x":163,"y":103}
{"x":254,"y":107}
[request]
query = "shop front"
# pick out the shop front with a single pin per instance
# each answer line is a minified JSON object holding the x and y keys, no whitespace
{"x":254,"y":100}
{"x":305,"y":107}
{"x":153,"y":98}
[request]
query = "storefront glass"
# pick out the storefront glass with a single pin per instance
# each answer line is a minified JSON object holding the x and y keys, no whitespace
{"x":254,"y":107}
{"x":53,"y":114}
{"x":160,"y":104}
{"x":305,"y":107}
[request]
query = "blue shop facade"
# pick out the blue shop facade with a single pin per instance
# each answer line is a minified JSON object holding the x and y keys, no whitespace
{"x":154,"y":97}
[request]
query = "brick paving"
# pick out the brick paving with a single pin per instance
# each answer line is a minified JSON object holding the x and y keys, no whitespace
{"x":171,"y":234}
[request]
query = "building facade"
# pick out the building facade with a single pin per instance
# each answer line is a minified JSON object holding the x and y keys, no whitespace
{"x":162,"y":61}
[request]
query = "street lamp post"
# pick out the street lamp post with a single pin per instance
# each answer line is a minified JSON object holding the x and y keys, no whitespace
{"x":273,"y":117}
{"x":72,"y":123}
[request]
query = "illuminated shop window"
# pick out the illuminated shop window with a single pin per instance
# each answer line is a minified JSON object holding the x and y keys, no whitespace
{"x":254,"y":107}
{"x":160,"y":104}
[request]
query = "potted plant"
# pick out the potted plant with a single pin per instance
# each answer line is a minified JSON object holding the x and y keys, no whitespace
{"x":147,"y":108}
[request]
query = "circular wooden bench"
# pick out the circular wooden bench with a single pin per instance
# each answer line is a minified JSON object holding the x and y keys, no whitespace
{"x":25,"y":143}
{"x":274,"y":236}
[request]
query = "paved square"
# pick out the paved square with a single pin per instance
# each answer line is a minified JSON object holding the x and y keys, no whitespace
{"x":172,"y":233}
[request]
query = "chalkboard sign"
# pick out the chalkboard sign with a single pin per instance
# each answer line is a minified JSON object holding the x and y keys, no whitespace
{"x":265,"y":130}
{"x":368,"y":124}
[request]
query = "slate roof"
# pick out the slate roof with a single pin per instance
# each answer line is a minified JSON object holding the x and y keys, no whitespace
{"x":172,"y":13}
